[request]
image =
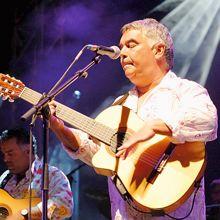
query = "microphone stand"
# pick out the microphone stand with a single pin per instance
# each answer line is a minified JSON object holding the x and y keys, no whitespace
{"x":42,"y":108}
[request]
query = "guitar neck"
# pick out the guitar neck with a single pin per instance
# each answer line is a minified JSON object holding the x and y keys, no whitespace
{"x":72,"y":117}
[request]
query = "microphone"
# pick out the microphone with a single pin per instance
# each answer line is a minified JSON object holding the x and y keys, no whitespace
{"x":113,"y":52}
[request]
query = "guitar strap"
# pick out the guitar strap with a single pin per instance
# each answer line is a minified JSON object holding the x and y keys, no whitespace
{"x":115,"y":179}
{"x":6,"y":176}
{"x":121,"y":100}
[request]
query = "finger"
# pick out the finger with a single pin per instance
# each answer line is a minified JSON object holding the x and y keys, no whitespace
{"x":119,"y":153}
{"x":52,"y":109}
{"x":129,"y":143}
{"x":123,"y":147}
{"x":123,"y":153}
{"x":52,"y":102}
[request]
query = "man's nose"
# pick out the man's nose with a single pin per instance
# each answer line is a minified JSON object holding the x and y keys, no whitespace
{"x":124,"y":52}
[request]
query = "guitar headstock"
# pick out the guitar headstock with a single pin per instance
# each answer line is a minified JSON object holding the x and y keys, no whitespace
{"x":10,"y":88}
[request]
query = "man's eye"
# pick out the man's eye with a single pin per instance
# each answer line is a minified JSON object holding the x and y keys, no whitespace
{"x":131,"y":45}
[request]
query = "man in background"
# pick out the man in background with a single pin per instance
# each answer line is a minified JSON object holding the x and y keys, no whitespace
{"x":15,"y":148}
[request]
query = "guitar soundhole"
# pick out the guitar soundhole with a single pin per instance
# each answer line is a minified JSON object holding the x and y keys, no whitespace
{"x":3,"y":213}
{"x":117,"y":140}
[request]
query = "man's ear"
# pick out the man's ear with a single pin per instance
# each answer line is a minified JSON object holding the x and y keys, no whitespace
{"x":26,"y":149}
{"x":159,"y":50}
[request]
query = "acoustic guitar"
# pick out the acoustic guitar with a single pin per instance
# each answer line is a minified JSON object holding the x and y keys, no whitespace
{"x":157,"y":177}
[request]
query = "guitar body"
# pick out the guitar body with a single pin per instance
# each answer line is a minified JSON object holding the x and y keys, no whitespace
{"x":10,"y":206}
{"x":172,"y":186}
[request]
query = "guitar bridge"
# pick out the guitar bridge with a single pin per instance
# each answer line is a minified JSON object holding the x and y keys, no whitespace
{"x":161,"y":163}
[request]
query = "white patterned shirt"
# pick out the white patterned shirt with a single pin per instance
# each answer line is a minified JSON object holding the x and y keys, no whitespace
{"x":188,"y":111}
{"x":60,"y":202}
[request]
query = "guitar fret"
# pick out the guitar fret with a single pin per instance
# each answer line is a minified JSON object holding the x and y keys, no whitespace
{"x":30,"y":95}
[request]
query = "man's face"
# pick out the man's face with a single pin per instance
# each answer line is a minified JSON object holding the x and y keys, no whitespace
{"x":137,"y":58}
{"x":15,"y":158}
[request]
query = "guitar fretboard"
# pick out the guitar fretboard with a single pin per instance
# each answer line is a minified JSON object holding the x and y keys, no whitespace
{"x":74,"y":118}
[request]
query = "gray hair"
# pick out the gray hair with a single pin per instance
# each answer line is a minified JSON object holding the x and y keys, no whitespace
{"x":154,"y":30}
